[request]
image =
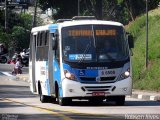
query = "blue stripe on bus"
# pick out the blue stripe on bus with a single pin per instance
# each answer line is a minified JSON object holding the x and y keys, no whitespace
{"x":86,"y":73}
{"x":47,"y":81}
{"x":48,"y":87}
{"x":81,"y":72}
{"x":53,"y":28}
{"x":57,"y":75}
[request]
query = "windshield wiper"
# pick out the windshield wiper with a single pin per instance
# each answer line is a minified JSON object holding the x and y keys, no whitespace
{"x":84,"y":53}
{"x":88,"y":46}
{"x":110,"y":57}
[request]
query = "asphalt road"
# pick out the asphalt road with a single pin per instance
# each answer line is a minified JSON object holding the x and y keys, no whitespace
{"x":16,"y":101}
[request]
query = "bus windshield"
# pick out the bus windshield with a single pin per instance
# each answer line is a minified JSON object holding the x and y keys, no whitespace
{"x":94,"y":43}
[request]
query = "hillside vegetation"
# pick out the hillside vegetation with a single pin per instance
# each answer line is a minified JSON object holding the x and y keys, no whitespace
{"x":146,"y":79}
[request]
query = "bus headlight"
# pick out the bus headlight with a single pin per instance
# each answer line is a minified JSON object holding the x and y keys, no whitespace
{"x":69,"y":75}
{"x":125,"y":75}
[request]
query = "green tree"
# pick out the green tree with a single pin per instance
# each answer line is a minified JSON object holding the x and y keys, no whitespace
{"x":20,"y":37}
{"x":26,"y":21}
{"x":5,"y":38}
{"x":69,"y":8}
{"x":18,"y":33}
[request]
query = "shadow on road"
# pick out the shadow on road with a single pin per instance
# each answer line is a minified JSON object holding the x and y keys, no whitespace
{"x":109,"y":104}
{"x":15,"y":91}
{"x":142,"y":103}
{"x":57,"y":117}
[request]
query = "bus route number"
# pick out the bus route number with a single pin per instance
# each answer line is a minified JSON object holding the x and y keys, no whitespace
{"x":108,"y":72}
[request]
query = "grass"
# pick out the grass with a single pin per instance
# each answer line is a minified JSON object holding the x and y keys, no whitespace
{"x":146,"y":79}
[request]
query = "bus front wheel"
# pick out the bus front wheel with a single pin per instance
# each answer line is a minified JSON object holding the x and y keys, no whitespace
{"x":63,"y":101}
{"x":120,"y":100}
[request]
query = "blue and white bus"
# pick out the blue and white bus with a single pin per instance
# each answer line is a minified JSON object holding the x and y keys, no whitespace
{"x":82,"y":58}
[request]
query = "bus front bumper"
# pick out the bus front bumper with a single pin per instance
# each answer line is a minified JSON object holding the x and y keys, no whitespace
{"x":73,"y":89}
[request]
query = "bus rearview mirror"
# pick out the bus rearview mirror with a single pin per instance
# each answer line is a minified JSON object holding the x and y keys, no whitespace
{"x":54,"y":43}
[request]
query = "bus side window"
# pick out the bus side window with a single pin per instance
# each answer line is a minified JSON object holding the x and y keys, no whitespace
{"x":46,"y":38}
{"x":41,"y":38}
{"x":46,"y":47}
{"x":38,"y":39}
{"x":39,"y":52}
{"x":42,"y":46}
{"x":30,"y":46}
{"x":57,"y":50}
{"x":37,"y":46}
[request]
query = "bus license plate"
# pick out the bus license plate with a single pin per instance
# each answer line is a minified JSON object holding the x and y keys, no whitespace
{"x":98,"y":94}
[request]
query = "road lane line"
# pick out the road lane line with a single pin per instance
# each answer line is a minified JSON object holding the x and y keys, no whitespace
{"x":50,"y":111}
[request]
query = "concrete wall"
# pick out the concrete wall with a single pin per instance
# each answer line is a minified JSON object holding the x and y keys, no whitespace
{"x":9,"y":67}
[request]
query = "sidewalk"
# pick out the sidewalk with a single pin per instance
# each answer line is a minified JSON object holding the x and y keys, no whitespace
{"x":137,"y":94}
{"x":23,"y":77}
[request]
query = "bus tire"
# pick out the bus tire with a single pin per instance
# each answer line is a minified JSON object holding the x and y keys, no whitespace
{"x":53,"y":99}
{"x":43,"y":98}
{"x":120,"y":101}
{"x":96,"y":100}
{"x":63,"y":101}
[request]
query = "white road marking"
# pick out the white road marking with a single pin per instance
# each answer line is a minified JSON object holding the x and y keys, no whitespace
{"x":7,"y":74}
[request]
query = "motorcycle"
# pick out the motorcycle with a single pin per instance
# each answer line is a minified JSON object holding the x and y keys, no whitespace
{"x":25,"y":58}
{"x":3,"y":58}
{"x":13,"y":59}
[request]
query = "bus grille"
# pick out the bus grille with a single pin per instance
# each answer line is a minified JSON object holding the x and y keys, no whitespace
{"x":97,"y":88}
{"x":107,"y":78}
{"x":102,"y":79}
{"x":88,"y":78}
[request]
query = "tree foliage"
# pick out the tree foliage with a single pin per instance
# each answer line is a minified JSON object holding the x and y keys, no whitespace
{"x":17,"y":34}
{"x":20,"y":37}
{"x":117,"y":10}
{"x":69,"y":8}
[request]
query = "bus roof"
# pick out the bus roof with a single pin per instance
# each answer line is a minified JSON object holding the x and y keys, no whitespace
{"x":53,"y":27}
{"x":86,"y":22}
{"x":50,"y":27}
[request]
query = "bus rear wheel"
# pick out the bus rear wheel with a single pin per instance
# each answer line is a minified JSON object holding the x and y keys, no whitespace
{"x":43,"y":98}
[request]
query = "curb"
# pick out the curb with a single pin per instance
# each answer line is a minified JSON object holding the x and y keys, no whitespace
{"x":145,"y":97}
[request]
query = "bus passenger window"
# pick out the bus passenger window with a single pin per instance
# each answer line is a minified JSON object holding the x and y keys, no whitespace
{"x":57,"y":50}
{"x":40,"y":39}
{"x":46,"y":38}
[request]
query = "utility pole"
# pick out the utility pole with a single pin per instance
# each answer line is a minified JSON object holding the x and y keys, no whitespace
{"x":35,"y":14}
{"x":6,"y":15}
{"x":78,"y":7}
{"x":146,"y":33}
